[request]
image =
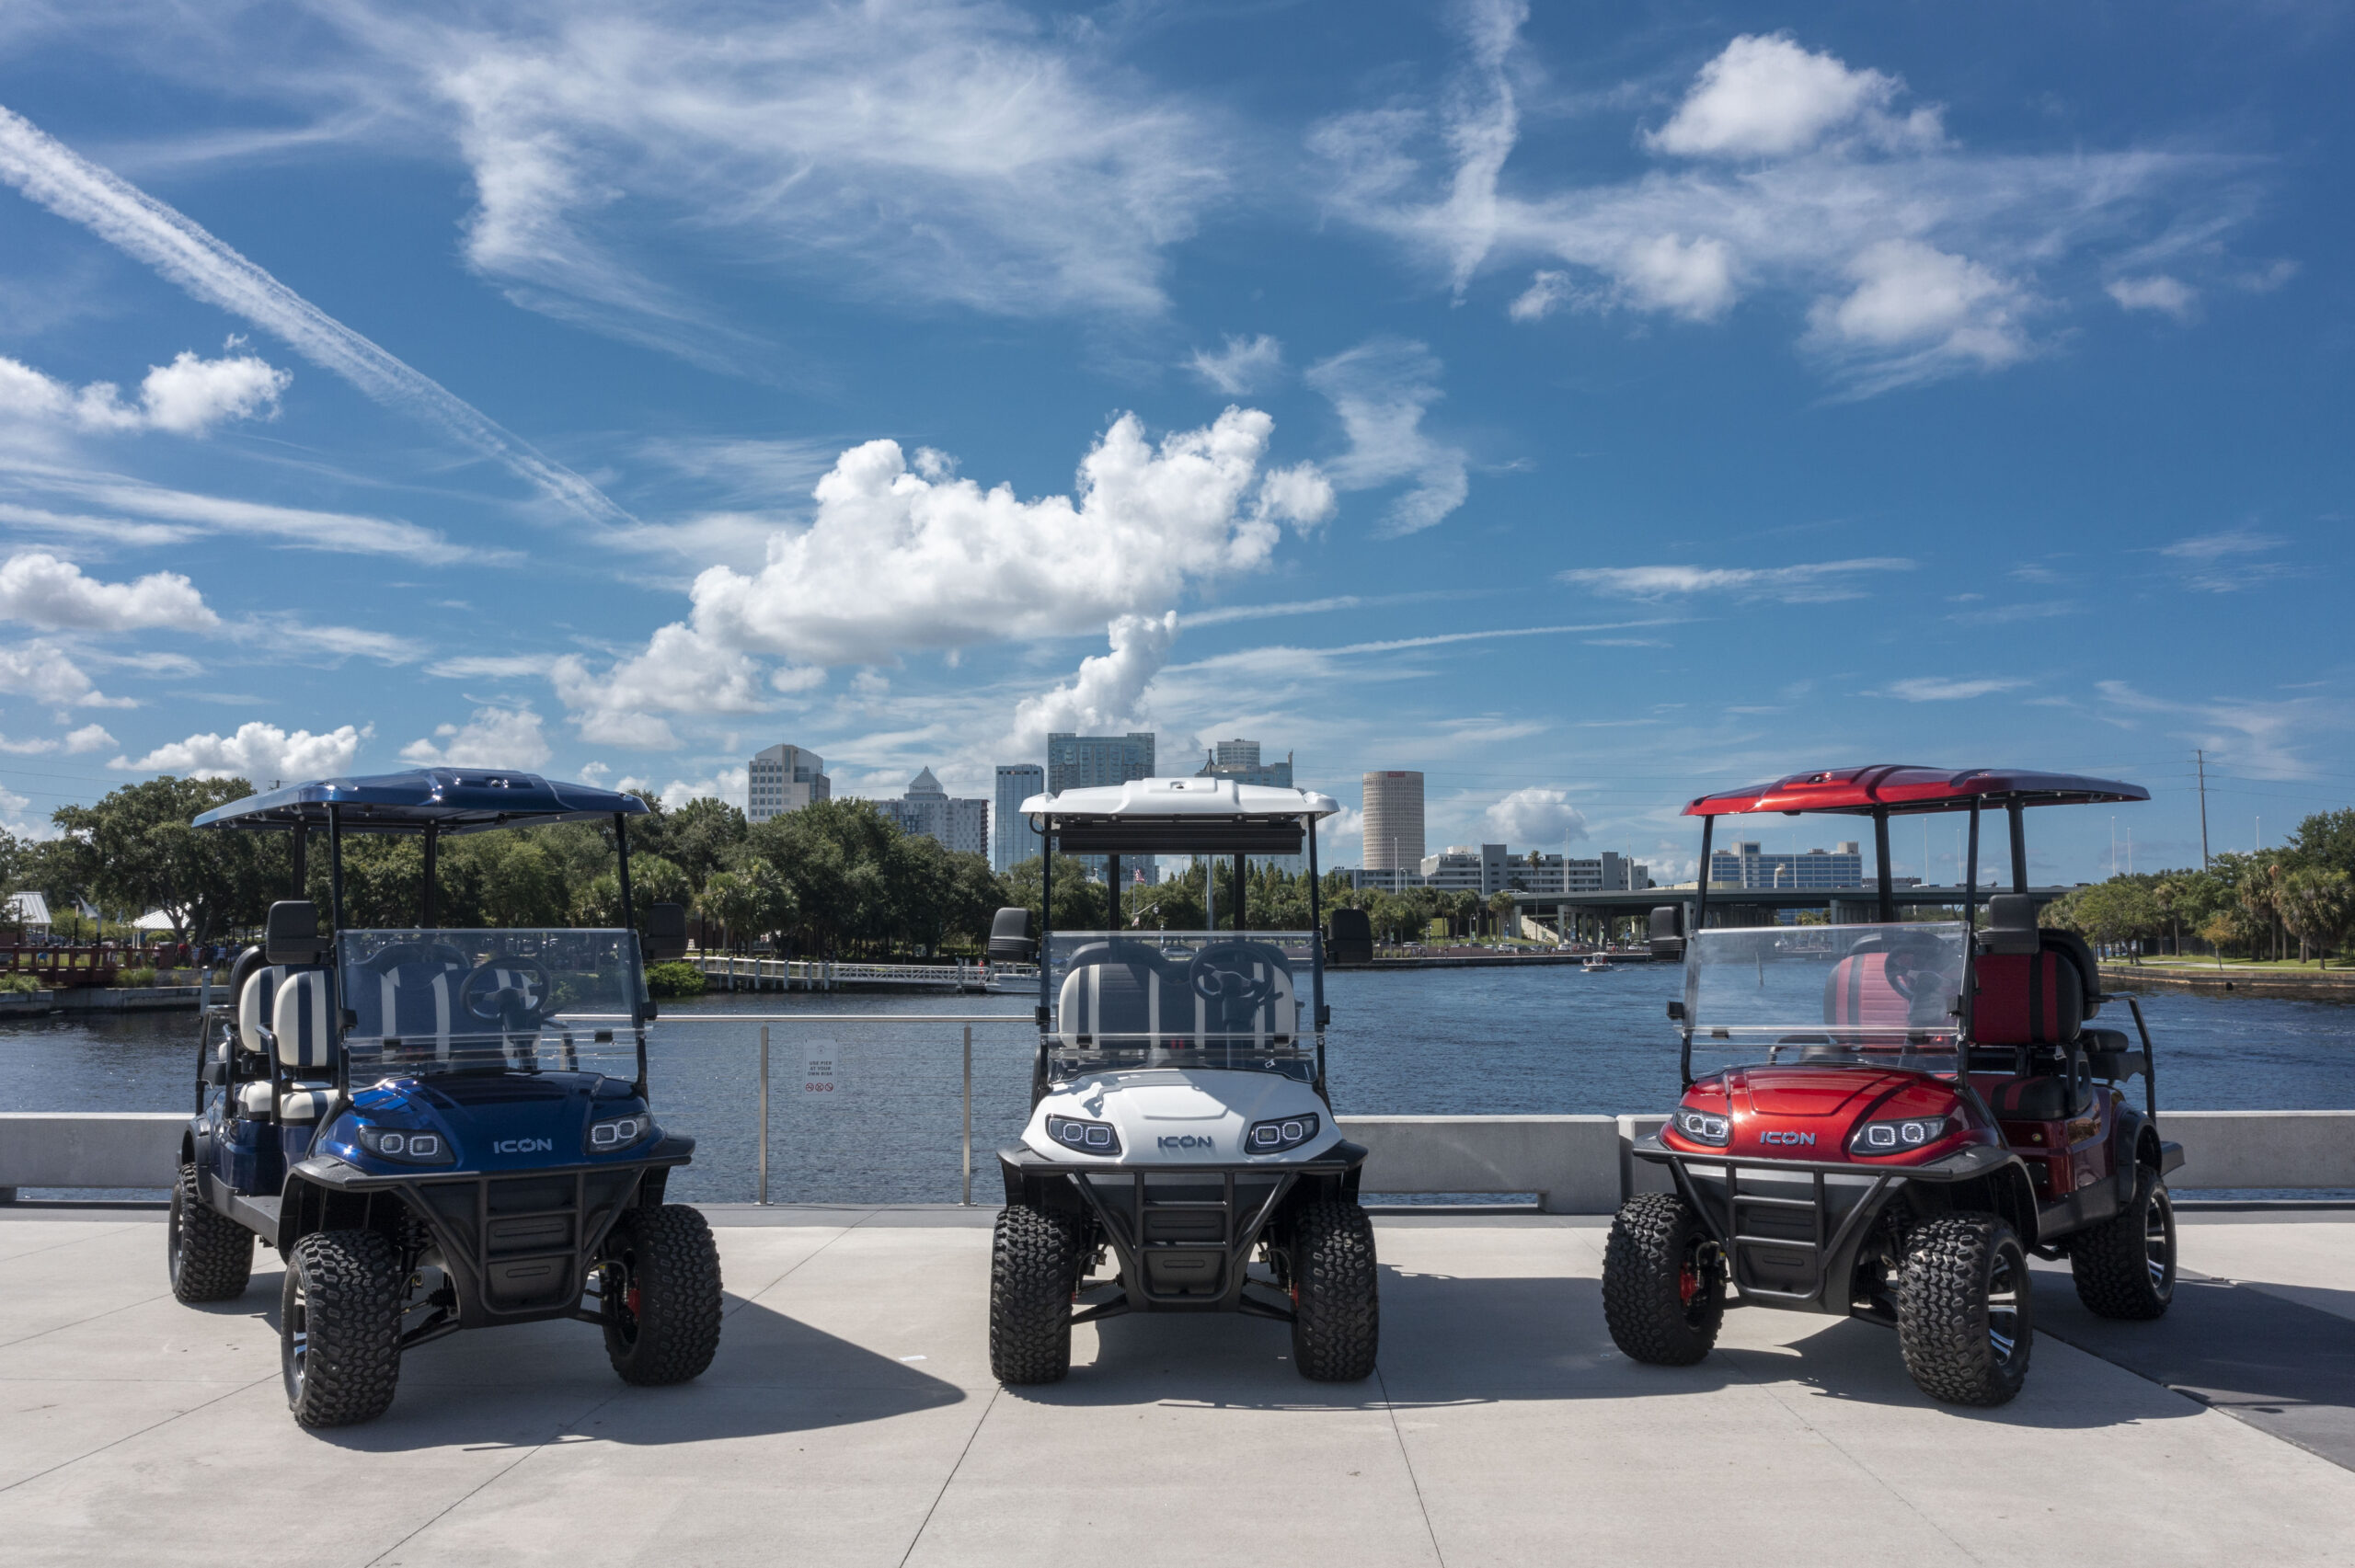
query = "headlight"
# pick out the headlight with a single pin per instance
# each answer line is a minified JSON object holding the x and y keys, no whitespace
{"x":1274,"y":1138}
{"x":619,"y":1133}
{"x":1088,"y":1138}
{"x":409,"y":1147}
{"x":1898,"y":1136}
{"x":1704,"y":1127}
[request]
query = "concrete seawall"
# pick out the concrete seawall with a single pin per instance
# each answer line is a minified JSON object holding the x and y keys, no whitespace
{"x":2317,"y":985}
{"x":1574,"y":1164}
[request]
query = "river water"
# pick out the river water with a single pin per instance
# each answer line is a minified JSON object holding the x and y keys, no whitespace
{"x":1542,"y":1040}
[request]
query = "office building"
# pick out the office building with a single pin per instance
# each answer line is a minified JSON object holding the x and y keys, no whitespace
{"x":1489,"y":869}
{"x":783,"y":778}
{"x":1012,"y":840}
{"x":961,"y":825}
{"x":1393,"y":822}
{"x":1747,"y":865}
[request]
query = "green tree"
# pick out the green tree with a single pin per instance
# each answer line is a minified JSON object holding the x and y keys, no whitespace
{"x":136,"y":850}
{"x":2325,"y":840}
{"x":1501,"y":906}
{"x":2316,"y":904}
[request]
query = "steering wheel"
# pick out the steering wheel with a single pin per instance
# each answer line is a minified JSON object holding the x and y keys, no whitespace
{"x":1233,"y":988}
{"x":487,"y":998}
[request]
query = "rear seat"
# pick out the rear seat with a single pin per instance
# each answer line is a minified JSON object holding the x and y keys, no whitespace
{"x":303,"y":1029}
{"x":2036,"y":990}
{"x":1131,"y":993}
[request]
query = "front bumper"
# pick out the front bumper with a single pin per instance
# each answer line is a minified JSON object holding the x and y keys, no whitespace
{"x":1792,"y":1230}
{"x":1183,"y":1233}
{"x":518,"y":1245}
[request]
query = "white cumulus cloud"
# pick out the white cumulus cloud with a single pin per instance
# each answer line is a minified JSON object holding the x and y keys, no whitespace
{"x":1536,"y":817}
{"x":681,"y":672}
{"x":2168,"y":296}
{"x":1108,"y":693}
{"x":1766,"y":97}
{"x":492,"y":738}
{"x":89,"y":737}
{"x":48,"y":674}
{"x":41,"y":590}
{"x":730,"y":784}
{"x":187,"y":396}
{"x":258,"y":752}
{"x":1914,"y":306}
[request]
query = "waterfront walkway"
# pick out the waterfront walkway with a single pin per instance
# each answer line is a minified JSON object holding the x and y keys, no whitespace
{"x":851,"y":1419}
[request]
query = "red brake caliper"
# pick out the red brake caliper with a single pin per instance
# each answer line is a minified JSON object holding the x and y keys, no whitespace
{"x":1688,"y":1285}
{"x":629,"y":1298}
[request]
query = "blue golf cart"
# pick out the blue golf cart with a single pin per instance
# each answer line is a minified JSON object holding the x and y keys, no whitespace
{"x":439,"y":1129}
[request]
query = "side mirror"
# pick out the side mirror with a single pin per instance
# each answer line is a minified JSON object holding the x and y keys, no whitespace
{"x":666,"y":932}
{"x":1667,"y":937}
{"x":1013,"y":937}
{"x":290,"y":934}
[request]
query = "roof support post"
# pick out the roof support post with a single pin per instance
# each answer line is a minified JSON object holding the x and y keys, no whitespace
{"x":1701,"y":901}
{"x":302,"y":844}
{"x":2018,"y":814}
{"x":1238,"y":894}
{"x":1046,"y":920}
{"x":425,"y":897}
{"x":335,"y":864}
{"x":1316,"y":958}
{"x":1112,"y":889}
{"x":1888,"y":910}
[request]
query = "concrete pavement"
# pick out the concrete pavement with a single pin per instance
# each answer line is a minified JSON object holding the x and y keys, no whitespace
{"x":851,"y":1419}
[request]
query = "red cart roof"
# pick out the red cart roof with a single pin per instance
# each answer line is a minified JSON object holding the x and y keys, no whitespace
{"x":1898,"y":788}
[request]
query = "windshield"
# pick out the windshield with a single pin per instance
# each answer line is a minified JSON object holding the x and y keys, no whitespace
{"x":1180,"y":999}
{"x":1881,"y":993}
{"x":430,"y":1001}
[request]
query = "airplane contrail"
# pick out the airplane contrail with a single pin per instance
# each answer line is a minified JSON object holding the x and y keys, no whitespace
{"x":48,"y":172}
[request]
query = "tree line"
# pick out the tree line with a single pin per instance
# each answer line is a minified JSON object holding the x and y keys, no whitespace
{"x":2297,"y":900}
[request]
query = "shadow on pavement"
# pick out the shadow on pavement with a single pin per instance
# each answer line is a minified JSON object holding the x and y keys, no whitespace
{"x":535,"y":1383}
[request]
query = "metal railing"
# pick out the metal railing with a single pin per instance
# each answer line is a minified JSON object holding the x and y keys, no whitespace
{"x":765,"y":1019}
{"x":745,"y":971}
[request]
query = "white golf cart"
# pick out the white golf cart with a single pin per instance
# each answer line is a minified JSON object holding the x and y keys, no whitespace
{"x":1178,"y":1119}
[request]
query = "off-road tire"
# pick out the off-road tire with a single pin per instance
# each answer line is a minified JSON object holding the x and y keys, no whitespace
{"x":2112,"y":1264}
{"x":209,"y":1256}
{"x":1336,"y":1293}
{"x":1663,"y":1284}
{"x":1945,"y":1324}
{"x":342,"y":1297}
{"x":1034,"y":1267}
{"x":661,"y":1311}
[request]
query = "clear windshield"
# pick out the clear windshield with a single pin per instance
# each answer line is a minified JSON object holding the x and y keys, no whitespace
{"x":1182,"y":999}
{"x":1881,"y":993}
{"x":428,"y":1001}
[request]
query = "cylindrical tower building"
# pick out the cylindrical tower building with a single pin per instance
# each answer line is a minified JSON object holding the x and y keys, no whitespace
{"x":1393,"y":821}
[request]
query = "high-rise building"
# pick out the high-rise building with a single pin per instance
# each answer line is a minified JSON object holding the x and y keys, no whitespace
{"x":1012,"y":840}
{"x":1085,"y":761}
{"x":783,"y":778}
{"x":1488,"y":869}
{"x":961,"y":825}
{"x":1393,"y":821}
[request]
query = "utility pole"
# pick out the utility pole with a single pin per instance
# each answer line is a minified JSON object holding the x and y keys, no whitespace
{"x":2201,"y":758}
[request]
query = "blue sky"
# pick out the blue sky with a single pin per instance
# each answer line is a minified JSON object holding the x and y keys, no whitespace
{"x":1589,"y":407}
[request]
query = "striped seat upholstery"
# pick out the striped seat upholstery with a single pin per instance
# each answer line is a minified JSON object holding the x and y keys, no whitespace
{"x":257,"y":1007}
{"x":254,"y":1098}
{"x":300,"y":1019}
{"x":307,"y":1102}
{"x":1128,"y":993}
{"x":414,"y":1004}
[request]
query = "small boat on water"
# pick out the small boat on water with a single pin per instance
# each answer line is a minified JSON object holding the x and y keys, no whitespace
{"x":1596,"y":960}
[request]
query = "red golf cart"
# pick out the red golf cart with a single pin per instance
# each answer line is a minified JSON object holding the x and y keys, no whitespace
{"x":1888,"y":1117}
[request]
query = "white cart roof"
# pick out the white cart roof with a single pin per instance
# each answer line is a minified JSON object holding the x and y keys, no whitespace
{"x":1191,"y":799}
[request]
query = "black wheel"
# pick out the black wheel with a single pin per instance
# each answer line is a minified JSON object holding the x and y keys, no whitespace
{"x":340,"y":1327}
{"x":658,"y":1289}
{"x":211,"y":1256}
{"x":1663,"y":1281}
{"x":1034,"y":1267}
{"x":2125,"y":1267}
{"x":1337,"y":1306}
{"x":1963,"y":1315}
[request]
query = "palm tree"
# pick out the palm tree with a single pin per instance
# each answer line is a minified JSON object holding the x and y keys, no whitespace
{"x":2316,"y":904}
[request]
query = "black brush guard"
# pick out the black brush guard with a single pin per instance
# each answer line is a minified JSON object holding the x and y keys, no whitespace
{"x":517,"y":1246}
{"x":1183,"y":1239}
{"x":1784,"y":1249}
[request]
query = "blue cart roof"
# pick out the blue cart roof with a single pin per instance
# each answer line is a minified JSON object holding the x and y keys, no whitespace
{"x":453,"y":800}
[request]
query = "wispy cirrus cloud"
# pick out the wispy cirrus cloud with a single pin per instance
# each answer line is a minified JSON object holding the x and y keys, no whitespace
{"x":1944,"y":689}
{"x":52,"y":173}
{"x":1382,"y":389}
{"x":2227,"y":561}
{"x":1812,"y":582}
{"x":2266,"y":739}
{"x":1784,"y":175}
{"x":159,"y":515}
